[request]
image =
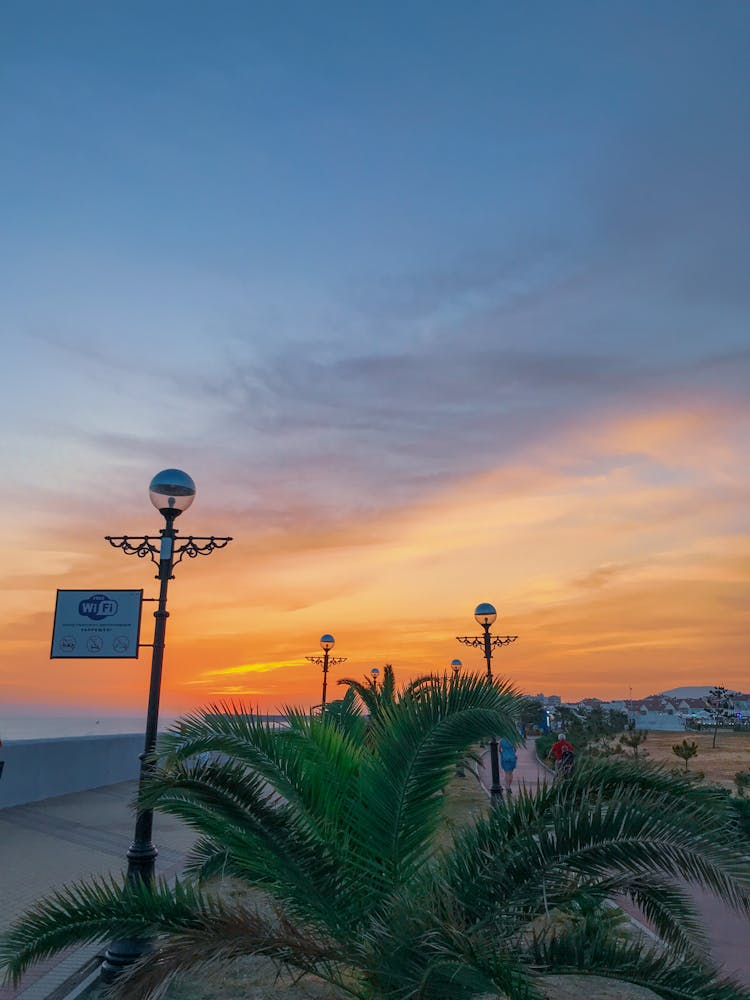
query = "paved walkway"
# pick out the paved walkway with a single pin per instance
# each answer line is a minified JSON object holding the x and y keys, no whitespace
{"x":728,"y":932}
{"x":57,"y":841}
{"x":528,"y":773}
{"x":50,"y":843}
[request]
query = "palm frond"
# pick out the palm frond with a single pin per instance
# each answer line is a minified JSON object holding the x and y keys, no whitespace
{"x":388,"y":685}
{"x":228,"y":804}
{"x":97,"y":910}
{"x":346,"y":715}
{"x":414,"y":750}
{"x":609,"y":774}
{"x":668,"y":908}
{"x":543,"y":848}
{"x":233,"y":732}
{"x":420,"y":948}
{"x":366,"y":691}
{"x":671,"y":977}
{"x":232,"y":935}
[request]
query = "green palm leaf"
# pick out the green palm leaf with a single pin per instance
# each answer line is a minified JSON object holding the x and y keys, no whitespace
{"x":414,"y":751}
{"x":96,"y":910}
{"x":599,"y":954}
{"x":545,"y":848}
{"x":340,"y":832}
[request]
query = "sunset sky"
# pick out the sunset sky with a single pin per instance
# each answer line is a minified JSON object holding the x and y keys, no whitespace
{"x":437,"y":303}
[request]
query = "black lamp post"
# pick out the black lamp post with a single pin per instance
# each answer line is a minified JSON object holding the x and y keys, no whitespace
{"x":455,"y":671}
{"x":485,"y":614}
{"x":375,"y":674}
{"x":171,"y":492}
{"x":327,"y":642}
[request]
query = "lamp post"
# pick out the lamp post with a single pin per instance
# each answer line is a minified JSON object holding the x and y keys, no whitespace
{"x":375,"y":674}
{"x":456,"y":670}
{"x":327,"y":642}
{"x":486,"y":615}
{"x":171,"y":492}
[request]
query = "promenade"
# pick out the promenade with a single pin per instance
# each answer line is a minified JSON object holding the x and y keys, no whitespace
{"x":60,"y":840}
{"x":728,"y":933}
{"x":72,"y":837}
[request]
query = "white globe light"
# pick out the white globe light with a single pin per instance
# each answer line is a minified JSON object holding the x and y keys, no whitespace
{"x":327,"y":641}
{"x":171,"y":492}
{"x":485,"y":614}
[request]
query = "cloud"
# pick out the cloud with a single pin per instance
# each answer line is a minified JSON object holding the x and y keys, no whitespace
{"x":252,"y":668}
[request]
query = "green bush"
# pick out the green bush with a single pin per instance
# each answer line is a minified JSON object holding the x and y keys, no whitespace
{"x":544,"y":745}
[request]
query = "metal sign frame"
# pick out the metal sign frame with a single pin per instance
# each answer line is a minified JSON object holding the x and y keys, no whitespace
{"x":89,"y":637}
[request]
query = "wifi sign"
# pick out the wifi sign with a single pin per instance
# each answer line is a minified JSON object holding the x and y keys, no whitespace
{"x":97,"y":607}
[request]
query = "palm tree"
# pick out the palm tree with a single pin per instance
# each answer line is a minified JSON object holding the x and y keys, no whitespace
{"x":339,"y":835}
{"x":372,"y":697}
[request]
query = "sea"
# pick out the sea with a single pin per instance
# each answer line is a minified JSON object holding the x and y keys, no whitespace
{"x":40,"y":727}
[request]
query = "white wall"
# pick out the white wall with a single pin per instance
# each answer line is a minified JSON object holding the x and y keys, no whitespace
{"x":41,"y":769}
{"x":659,"y":721}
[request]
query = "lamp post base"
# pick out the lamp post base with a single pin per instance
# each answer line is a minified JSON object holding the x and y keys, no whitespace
{"x":141,"y":856}
{"x":122,"y":954}
{"x":496,"y":791}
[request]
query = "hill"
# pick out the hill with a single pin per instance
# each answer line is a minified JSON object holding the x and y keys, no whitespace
{"x":686,"y":692}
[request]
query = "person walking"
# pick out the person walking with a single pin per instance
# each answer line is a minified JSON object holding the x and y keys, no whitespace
{"x":508,"y":762}
{"x":562,"y":754}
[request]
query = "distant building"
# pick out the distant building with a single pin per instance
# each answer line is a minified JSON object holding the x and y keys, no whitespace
{"x":616,"y":706}
{"x":548,"y":699}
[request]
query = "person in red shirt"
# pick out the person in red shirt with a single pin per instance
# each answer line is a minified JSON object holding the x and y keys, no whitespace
{"x":561,"y":753}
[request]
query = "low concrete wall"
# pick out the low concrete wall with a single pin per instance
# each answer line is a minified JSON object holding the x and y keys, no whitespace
{"x":41,"y":769}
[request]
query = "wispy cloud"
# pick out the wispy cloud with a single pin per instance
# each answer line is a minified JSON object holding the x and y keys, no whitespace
{"x":252,"y":668}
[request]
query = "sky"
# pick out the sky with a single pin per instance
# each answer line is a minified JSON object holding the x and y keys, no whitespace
{"x":436,"y":303}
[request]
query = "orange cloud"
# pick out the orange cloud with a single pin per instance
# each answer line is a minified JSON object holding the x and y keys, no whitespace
{"x":616,"y":551}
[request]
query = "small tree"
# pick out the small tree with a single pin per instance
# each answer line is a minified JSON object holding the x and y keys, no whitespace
{"x":531,"y":712}
{"x":685,"y":750}
{"x":605,"y":746}
{"x":633,"y":740}
{"x":720,"y":706}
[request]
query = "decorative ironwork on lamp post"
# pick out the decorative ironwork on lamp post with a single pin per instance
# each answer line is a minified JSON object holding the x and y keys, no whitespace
{"x":171,"y":492}
{"x":485,"y":614}
{"x":327,"y":642}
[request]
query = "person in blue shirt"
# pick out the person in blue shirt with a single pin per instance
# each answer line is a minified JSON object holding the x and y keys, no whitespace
{"x":508,"y":761}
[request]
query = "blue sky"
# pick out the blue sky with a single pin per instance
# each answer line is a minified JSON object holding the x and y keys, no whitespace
{"x":336,"y":258}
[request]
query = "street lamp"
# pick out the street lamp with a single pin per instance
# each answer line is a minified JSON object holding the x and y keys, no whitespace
{"x":456,"y":669}
{"x":486,"y":615}
{"x":171,"y":492}
{"x":375,"y":674}
{"x":327,"y":642}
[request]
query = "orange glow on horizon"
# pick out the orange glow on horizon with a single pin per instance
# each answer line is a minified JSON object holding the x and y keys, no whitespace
{"x":617,"y":552}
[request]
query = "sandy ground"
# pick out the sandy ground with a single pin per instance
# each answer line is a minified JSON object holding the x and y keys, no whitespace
{"x":246,"y":983}
{"x":719,"y":765}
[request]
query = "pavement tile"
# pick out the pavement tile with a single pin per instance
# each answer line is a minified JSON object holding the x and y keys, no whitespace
{"x":51,"y":843}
